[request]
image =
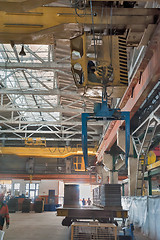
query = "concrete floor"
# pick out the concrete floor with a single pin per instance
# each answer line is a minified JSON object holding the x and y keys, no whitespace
{"x":36,"y":226}
{"x":139,"y":236}
{"x":41,"y":226}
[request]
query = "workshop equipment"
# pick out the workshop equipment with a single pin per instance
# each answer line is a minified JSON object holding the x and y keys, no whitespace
{"x":87,"y":222}
{"x":26,"y":205}
{"x":12,"y":205}
{"x":93,"y":230}
{"x":72,"y":211}
{"x":71,"y":195}
{"x":107,"y":196}
{"x":39,"y":206}
{"x":103,"y":112}
{"x":107,"y":66}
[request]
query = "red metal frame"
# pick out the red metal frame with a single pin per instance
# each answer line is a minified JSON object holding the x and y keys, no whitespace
{"x":64,"y":177}
{"x":142,"y":88}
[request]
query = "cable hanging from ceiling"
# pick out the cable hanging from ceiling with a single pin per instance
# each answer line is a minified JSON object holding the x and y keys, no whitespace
{"x":110,"y":34}
{"x":79,"y":5}
{"x":94,"y":39}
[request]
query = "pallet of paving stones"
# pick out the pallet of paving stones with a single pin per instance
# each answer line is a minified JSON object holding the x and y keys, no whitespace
{"x":38,"y":206}
{"x":13,"y":205}
{"x":26,"y":205}
{"x":110,"y":195}
{"x":96,"y":196}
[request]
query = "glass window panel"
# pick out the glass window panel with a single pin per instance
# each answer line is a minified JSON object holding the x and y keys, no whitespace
{"x":32,"y":186}
{"x":17,"y":186}
{"x":27,"y":193}
{"x":36,"y":192}
{"x":79,"y":160}
{"x":32,"y":194}
{"x":37,"y":186}
{"x":27,"y":185}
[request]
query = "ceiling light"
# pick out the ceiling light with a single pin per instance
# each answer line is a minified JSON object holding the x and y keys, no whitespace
{"x":22,"y":52}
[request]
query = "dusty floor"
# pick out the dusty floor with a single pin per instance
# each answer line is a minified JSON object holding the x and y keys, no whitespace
{"x":41,"y":226}
{"x":36,"y":226}
{"x":139,"y":236}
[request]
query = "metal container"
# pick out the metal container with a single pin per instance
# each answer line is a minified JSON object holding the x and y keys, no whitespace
{"x":110,"y":195}
{"x":107,"y":196}
{"x":71,"y":195}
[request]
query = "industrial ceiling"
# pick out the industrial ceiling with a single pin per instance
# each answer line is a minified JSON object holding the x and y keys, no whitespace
{"x":39,"y":98}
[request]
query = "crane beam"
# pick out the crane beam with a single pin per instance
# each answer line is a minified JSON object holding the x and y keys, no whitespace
{"x":40,"y":24}
{"x":46,"y":152}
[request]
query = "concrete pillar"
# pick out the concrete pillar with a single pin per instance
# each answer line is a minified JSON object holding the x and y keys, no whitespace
{"x":132,"y":168}
{"x":121,"y":139}
{"x":102,"y":175}
{"x":120,"y":163}
{"x":108,"y":161}
{"x":113,"y":177}
{"x":132,"y":162}
{"x":105,"y":176}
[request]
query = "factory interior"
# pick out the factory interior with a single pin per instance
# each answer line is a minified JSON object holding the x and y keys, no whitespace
{"x":79,"y":120}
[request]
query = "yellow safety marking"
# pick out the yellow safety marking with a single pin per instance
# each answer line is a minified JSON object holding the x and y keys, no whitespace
{"x":121,"y":214}
{"x":153,"y":165}
{"x":62,"y":212}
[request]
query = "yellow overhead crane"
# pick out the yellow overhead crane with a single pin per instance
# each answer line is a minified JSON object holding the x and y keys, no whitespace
{"x":45,"y":24}
{"x":42,"y":25}
{"x":46,"y":152}
{"x":35,"y":142}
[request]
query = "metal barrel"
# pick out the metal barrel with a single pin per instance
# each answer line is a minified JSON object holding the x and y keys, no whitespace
{"x":71,"y":195}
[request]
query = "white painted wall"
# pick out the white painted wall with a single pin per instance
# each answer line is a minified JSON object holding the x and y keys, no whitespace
{"x":44,"y":186}
{"x":61,"y":188}
{"x":61,"y":193}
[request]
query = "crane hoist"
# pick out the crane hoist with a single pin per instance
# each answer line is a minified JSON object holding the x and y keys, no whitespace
{"x":101,"y":61}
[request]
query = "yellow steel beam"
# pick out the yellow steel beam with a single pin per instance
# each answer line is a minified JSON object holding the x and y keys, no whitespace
{"x":153,"y":165}
{"x":130,"y":1}
{"x":22,"y":6}
{"x":53,"y":152}
{"x":28,"y":26}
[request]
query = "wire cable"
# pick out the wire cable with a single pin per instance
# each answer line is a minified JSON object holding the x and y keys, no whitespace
{"x":111,"y":36}
{"x":94,"y":40}
{"x":79,"y":5}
